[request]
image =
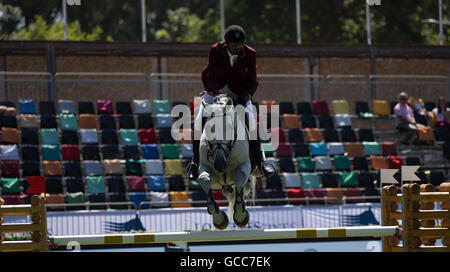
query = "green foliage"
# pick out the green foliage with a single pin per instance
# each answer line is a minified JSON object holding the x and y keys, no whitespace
{"x":40,"y":30}
{"x":265,"y":21}
{"x":182,"y":26}
{"x":9,"y":18}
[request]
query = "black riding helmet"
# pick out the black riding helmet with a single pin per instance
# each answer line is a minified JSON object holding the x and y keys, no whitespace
{"x":234,"y":34}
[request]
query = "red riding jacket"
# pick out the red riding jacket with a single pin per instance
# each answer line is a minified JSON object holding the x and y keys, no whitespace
{"x":241,"y":78}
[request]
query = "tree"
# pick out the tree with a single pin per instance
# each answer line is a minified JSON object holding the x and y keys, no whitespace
{"x":40,"y":30}
{"x":9,"y":19}
{"x":182,"y":26}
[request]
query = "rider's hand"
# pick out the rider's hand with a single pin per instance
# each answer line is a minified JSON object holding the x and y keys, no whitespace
{"x":244,"y":98}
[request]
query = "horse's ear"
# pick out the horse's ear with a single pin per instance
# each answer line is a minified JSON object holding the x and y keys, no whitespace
{"x":229,"y":106}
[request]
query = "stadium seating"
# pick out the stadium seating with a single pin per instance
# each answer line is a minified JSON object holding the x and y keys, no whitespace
{"x":122,"y":151}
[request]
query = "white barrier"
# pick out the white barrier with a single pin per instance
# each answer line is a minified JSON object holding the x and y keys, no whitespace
{"x":232,"y":235}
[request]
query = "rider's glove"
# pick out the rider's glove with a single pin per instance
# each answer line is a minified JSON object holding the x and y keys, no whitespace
{"x":244,"y":98}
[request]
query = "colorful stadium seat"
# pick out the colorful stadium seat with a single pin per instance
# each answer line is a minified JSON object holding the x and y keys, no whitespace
{"x":128,"y":137}
{"x":161,"y":107}
{"x":340,"y":107}
{"x":142,"y":106}
{"x":156,"y":184}
{"x":66,"y":107}
{"x":105,"y":106}
{"x":113,"y":167}
{"x":67,"y":122}
{"x":93,"y":168}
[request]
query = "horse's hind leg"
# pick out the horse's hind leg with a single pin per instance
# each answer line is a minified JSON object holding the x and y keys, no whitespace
{"x":220,"y":219}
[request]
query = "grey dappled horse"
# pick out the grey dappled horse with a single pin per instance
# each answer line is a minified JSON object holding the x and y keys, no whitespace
{"x":225,"y":161}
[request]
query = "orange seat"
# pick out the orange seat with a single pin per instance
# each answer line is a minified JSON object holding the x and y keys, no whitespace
{"x":377,"y":162}
{"x":269,"y":104}
{"x":88,"y":121}
{"x":10,"y":135}
{"x":54,"y":199}
{"x":335,"y":193}
{"x":313,"y":135}
{"x":354,"y":149}
{"x":290,"y":121}
{"x":183,"y":139}
{"x":52,"y":168}
{"x":179,"y":196}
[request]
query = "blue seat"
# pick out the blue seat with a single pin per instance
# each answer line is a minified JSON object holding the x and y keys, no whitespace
{"x":318,"y":149}
{"x":150,"y":151}
{"x":26,"y":106}
{"x":156,"y":183}
{"x":137,"y":198}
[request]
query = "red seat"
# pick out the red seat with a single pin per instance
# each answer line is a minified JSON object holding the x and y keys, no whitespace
{"x":284,"y":150}
{"x":70,"y":153}
{"x":315,"y":193}
{"x":352,"y":192}
{"x":395,"y":162}
{"x":281,"y":136}
{"x":320,"y":107}
{"x":12,"y":200}
{"x":218,"y":195}
{"x":136,"y":184}
{"x":10,"y":168}
{"x":388,"y":148}
{"x":296,"y":193}
{"x":147,"y":136}
{"x":105,"y":106}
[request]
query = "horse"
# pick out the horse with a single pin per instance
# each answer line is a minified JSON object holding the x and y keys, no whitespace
{"x":225,"y":161}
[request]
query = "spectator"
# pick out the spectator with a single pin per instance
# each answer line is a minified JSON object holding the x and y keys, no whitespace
{"x":442,"y":113}
{"x":404,"y":118}
{"x":416,"y":102}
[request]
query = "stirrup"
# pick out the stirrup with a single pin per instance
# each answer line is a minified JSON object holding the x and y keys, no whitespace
{"x":192,"y":171}
{"x":267,"y":168}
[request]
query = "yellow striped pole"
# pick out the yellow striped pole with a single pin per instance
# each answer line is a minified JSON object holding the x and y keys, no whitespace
{"x":231,"y":235}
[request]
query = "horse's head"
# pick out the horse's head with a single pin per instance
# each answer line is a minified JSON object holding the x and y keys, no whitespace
{"x":220,"y":130}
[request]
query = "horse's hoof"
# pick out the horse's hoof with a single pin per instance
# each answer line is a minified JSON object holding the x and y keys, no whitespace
{"x":220,"y":220}
{"x":242,"y":219}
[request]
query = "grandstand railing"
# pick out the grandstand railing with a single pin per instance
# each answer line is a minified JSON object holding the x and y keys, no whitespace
{"x":183,"y":87}
{"x":25,"y":85}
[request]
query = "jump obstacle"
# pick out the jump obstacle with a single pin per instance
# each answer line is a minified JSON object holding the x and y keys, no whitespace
{"x":418,"y":234}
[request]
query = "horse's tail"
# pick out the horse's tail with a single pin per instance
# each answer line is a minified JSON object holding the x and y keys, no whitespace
{"x":249,"y":195}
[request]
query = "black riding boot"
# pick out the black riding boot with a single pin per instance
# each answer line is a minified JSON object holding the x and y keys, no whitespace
{"x":258,"y":157}
{"x":192,"y":168}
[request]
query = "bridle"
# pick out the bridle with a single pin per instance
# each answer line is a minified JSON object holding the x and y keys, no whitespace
{"x":225,"y":147}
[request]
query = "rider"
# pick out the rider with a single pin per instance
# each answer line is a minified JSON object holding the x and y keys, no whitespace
{"x":231,"y":70}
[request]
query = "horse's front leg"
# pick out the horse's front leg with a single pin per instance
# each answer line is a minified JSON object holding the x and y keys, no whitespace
{"x":220,"y":219}
{"x":241,"y":215}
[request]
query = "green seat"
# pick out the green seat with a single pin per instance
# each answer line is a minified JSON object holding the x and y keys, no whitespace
{"x":305,"y":164}
{"x":267,"y":148}
{"x":49,"y":136}
{"x":95,"y":184}
{"x":371,"y":148}
{"x":128,"y":137}
{"x":77,"y":197}
{"x":170,"y":151}
{"x":161,"y":107}
{"x":10,"y":185}
{"x":348,"y":179}
{"x":310,"y":181}
{"x":67,"y":122}
{"x":341,"y":163}
{"x":51,"y":153}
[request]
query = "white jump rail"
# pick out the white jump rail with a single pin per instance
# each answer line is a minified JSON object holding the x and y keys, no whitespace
{"x":231,"y":235}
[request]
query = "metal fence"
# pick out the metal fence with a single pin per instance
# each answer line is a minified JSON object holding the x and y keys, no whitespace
{"x":183,"y":87}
